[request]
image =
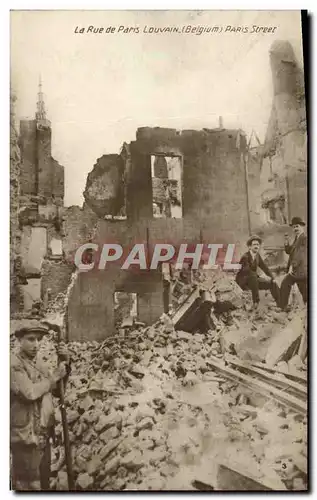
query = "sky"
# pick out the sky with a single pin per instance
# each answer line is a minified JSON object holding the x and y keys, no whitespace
{"x":100,"y":87}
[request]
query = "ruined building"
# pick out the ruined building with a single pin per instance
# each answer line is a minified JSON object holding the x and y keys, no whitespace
{"x":205,"y":186}
{"x":167,"y":186}
{"x":15,"y":164}
{"x":277,"y":169}
{"x":37,"y":197}
{"x":255,"y":188}
{"x":284,"y":168}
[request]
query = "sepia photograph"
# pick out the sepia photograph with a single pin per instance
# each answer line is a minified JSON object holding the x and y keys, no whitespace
{"x":158,"y":251}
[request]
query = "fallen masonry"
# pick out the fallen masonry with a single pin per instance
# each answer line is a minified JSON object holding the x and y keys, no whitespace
{"x":155,"y":408}
{"x":210,"y":395}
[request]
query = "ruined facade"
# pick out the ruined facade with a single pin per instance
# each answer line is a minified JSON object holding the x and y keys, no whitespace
{"x":254,"y":166}
{"x":224,"y":189}
{"x":284,"y":168}
{"x":37,"y":193}
{"x":277,"y":169}
{"x":167,"y":186}
{"x":15,"y":166}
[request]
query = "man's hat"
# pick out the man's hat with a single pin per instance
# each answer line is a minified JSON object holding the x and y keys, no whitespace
{"x":255,"y":237}
{"x":297,"y":220}
{"x":38,"y":330}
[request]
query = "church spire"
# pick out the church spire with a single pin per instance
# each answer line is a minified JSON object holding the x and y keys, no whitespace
{"x":40,"y":114}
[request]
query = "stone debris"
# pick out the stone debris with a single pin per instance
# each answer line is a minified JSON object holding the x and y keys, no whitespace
{"x":283,"y":346}
{"x":148,"y":411}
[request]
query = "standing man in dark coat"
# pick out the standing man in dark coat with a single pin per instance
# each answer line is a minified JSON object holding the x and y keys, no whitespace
{"x":247,"y":277}
{"x":297,"y":262}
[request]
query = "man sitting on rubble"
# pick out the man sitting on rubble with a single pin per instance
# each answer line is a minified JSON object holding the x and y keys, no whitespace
{"x":247,"y":276}
{"x":297,"y":263}
{"x":32,"y":410}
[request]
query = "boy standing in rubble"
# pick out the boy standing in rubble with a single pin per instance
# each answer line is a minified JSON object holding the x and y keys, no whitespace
{"x":32,"y":410}
{"x":247,"y":277}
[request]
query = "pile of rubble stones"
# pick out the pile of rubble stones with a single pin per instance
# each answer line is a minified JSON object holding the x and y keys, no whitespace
{"x":146,"y":411}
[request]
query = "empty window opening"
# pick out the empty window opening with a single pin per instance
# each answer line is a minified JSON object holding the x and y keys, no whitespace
{"x":276,"y":210}
{"x":166,"y":172}
{"x":125,"y":308}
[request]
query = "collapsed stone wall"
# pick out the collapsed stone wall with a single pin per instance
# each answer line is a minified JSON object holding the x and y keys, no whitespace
{"x":284,"y":170}
{"x":15,"y":166}
{"x":216,"y":201}
{"x":255,"y":188}
{"x":214,"y":209}
{"x":104,"y":185}
{"x":214,"y":184}
{"x":58,"y":189}
{"x":78,"y":227}
{"x":55,"y":278}
{"x":40,"y":174}
{"x":27,"y":142}
{"x":282,"y":183}
{"x":214,"y":188}
{"x":37,"y":194}
{"x":170,"y":417}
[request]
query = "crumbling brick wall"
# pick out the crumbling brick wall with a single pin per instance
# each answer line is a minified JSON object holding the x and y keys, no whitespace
{"x":28,"y":172}
{"x":214,"y":178}
{"x":58,"y":190}
{"x":56,"y":277}
{"x":40,"y":175}
{"x":44,"y":162}
{"x":254,"y":164}
{"x":78,"y":226}
{"x":297,"y":189}
{"x":104,"y":186}
{"x":16,"y":299}
{"x":215,"y":209}
{"x":215,"y":189}
{"x":285,"y":147}
{"x":39,"y":202}
{"x":90,"y":313}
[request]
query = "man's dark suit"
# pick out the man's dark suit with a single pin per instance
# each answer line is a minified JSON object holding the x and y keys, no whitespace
{"x":297,"y":252}
{"x":248,"y":279}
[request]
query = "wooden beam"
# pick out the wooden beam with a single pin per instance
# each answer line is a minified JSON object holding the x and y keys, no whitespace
{"x":188,"y":302}
{"x":239,"y":478}
{"x":275,"y":378}
{"x":259,"y":386}
{"x":296,"y":378}
{"x":192,"y":313}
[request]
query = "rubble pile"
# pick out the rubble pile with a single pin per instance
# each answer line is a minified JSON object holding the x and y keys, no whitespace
{"x":58,"y":304}
{"x":218,"y":282}
{"x":56,"y":311}
{"x":146,"y":411}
